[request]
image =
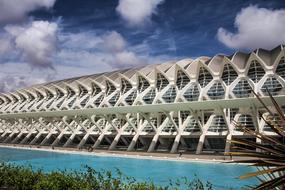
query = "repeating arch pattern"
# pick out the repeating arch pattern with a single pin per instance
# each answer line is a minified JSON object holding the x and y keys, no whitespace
{"x":185,"y":105}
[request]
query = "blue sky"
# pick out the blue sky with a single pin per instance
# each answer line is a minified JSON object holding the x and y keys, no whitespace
{"x":44,"y":40}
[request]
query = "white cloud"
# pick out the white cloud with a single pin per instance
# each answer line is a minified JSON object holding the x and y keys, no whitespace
{"x":37,"y":42}
{"x":256,"y":28}
{"x":137,"y":12}
{"x":114,"y":42}
{"x":17,"y":10}
{"x":15,"y":75}
{"x":126,"y":59}
{"x":5,"y":46}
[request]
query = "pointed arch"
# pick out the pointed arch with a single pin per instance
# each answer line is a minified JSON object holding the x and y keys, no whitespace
{"x":192,"y":93}
{"x":204,"y":77}
{"x":182,"y":79}
{"x":170,"y":95}
{"x":242,"y":89}
{"x":255,"y":71}
{"x":125,"y":86}
{"x":143,"y":84}
{"x":229,"y":74}
{"x":149,"y":97}
{"x":272,"y":85}
{"x":95,"y":89}
{"x":110,"y":88}
{"x":216,"y":91}
{"x":161,"y":82}
{"x":131,"y":98}
{"x":114,"y":98}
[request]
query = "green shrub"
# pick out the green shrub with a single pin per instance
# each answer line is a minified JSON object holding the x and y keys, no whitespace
{"x":25,"y":178}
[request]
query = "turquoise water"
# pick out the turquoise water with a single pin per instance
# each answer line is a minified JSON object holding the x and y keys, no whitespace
{"x":222,"y":176}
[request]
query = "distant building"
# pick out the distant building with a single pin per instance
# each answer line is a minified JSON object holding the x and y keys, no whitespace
{"x":184,"y":105}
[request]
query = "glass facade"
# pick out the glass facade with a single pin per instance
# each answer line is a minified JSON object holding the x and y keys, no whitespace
{"x":204,"y":77}
{"x":131,"y":98}
{"x":143,"y":84}
{"x":218,"y":124}
{"x":192,"y":93}
{"x":110,"y":88}
{"x":216,"y":91}
{"x":182,"y":80}
{"x":245,"y":120}
{"x":229,"y":74}
{"x":272,"y":85}
{"x":149,"y":97}
{"x":170,"y":95}
{"x":242,"y":89}
{"x":255,"y":72}
{"x":125,"y":86}
{"x":161,"y":82}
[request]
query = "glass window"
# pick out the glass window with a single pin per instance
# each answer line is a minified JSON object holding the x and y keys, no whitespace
{"x":192,"y":93}
{"x":272,"y":85}
{"x":218,"y":124}
{"x":255,"y":72}
{"x":184,"y":115}
{"x":280,"y":70}
{"x":229,"y":74}
{"x":204,"y":77}
{"x":149,"y":97}
{"x":182,"y":80}
{"x":95,"y":89}
{"x":60,"y":103}
{"x":245,"y":120}
{"x":161,"y":82}
{"x":82,"y":91}
{"x":242,"y":89}
{"x":216,"y":91}
{"x":98,"y":101}
{"x":143,"y":84}
{"x":83,"y":102}
{"x":233,"y":112}
{"x":39,"y":95}
{"x":70,"y":92}
{"x":148,"y":128}
{"x":192,"y":126}
{"x":59,"y":93}
{"x":110,"y":88}
{"x":131,"y":98}
{"x":114,"y":99}
{"x":170,"y":95}
{"x":126,"y":86}
{"x":169,"y":127}
{"x":70,"y":104}
{"x":31,"y":97}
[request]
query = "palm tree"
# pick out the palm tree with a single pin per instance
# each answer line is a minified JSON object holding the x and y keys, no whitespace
{"x":269,"y":155}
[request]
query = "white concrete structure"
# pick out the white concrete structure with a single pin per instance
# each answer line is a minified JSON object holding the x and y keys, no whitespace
{"x":185,"y":105}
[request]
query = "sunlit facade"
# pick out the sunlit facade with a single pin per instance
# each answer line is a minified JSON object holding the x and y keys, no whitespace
{"x":187,"y":105}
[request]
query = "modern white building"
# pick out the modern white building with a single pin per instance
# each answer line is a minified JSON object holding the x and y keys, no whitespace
{"x":185,"y":105}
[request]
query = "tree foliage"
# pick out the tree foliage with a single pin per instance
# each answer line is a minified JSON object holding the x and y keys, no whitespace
{"x":14,"y":177}
{"x":269,"y":155}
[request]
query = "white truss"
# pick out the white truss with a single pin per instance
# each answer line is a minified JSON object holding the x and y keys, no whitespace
{"x":189,"y":104}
